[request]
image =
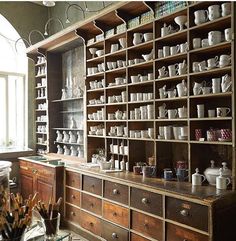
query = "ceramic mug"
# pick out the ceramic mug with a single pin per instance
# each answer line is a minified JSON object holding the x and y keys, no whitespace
{"x":166,"y":51}
{"x":225,"y":60}
{"x":182,"y":112}
{"x":149,"y":171}
{"x":182,"y":174}
{"x":183,"y":47}
{"x":160,"y":53}
{"x":211,"y":113}
{"x":202,"y":66}
{"x":173,"y":70}
{"x":114,"y":48}
{"x":226,"y":9}
{"x":172,"y":113}
{"x":168,"y":174}
{"x":205,"y":42}
{"x":200,"y":111}
{"x":174,"y":49}
{"x":212,"y":62}
{"x":162,"y":72}
{"x":195,"y":67}
{"x":222,"y":182}
{"x":213,"y":12}
{"x":200,"y":16}
{"x":228,"y":34}
{"x":214,"y":37}
{"x":196,"y":43}
{"x":222,"y":111}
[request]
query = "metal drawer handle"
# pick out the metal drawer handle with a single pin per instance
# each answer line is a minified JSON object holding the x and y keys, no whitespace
{"x":115,"y":191}
{"x":34,"y":171}
{"x":92,"y":186}
{"x":145,"y":225}
{"x":91,"y":205}
{"x":185,"y":240}
{"x":145,"y":200}
{"x":73,"y":196}
{"x":91,"y":224}
{"x":114,"y":214}
{"x":114,"y":236}
{"x":72,"y":213}
{"x":184,"y":212}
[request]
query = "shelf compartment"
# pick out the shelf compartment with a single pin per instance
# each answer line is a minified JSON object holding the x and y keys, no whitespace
{"x":211,"y":143}
{"x":176,"y":57}
{"x":211,"y":119}
{"x":99,"y":74}
{"x":184,"y":98}
{"x":212,"y":71}
{"x":145,"y":46}
{"x":67,"y":129}
{"x":226,"y":94}
{"x":119,"y":53}
{"x":145,"y":64}
{"x":96,"y":90}
{"x":177,"y":77}
{"x":116,"y":87}
{"x":117,"y":70}
{"x":177,"y":37}
{"x":97,"y":59}
{"x":67,"y":143}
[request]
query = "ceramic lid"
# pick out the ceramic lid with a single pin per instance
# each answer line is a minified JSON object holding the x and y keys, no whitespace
{"x":212,"y":170}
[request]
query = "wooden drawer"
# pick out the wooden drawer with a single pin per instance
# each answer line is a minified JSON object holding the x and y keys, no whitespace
{"x":92,"y":184}
{"x":192,"y":214}
{"x":112,"y":232}
{"x":73,"y":179}
{"x":91,"y":223}
{"x":135,"y":237}
{"x":73,"y":196}
{"x":92,"y":204}
{"x":175,"y":233}
{"x":116,"y":192}
{"x":116,"y":214}
{"x":146,"y":201}
{"x":147,"y":225}
{"x":72,"y":214}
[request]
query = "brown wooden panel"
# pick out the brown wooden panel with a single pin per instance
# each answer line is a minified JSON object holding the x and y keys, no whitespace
{"x":73,"y":196}
{"x":175,"y":233}
{"x":116,"y":214}
{"x":135,"y":237}
{"x":73,"y":179}
{"x":92,"y":184}
{"x":116,"y":192}
{"x":92,"y":204}
{"x":147,"y":225}
{"x":26,"y":184}
{"x":45,"y":190}
{"x":112,"y":232}
{"x":72,"y":214}
{"x":91,"y":223}
{"x":146,"y":201}
{"x":188,"y":213}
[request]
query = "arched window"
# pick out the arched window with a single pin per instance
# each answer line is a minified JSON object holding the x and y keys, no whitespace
{"x":13,"y":94}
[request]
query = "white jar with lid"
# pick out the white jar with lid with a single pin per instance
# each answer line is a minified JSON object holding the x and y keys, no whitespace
{"x":5,"y":169}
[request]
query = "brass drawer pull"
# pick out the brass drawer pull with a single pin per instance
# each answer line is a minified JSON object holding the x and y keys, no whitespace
{"x":114,"y":214}
{"x":184,"y":213}
{"x":73,"y":196}
{"x":91,"y":224}
{"x":72,"y":213}
{"x":34,"y":171}
{"x":114,"y":236}
{"x":115,"y":191}
{"x":91,"y":205}
{"x":145,"y":200}
{"x":93,"y":186}
{"x":145,"y":225}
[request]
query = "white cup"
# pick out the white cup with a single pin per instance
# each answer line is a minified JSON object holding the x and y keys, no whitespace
{"x":200,"y":16}
{"x":213,"y":12}
{"x":196,"y":43}
{"x":166,"y":51}
{"x":114,"y":47}
{"x":226,"y":9}
{"x":214,"y":37}
{"x":228,"y":34}
{"x":172,"y":113}
{"x":211,"y":113}
{"x":205,"y":43}
{"x":222,"y":111}
{"x":150,"y":76}
{"x":225,"y":60}
{"x":195,"y":67}
{"x":212,"y":62}
{"x":160,"y":53}
{"x":184,"y":130}
{"x":174,"y":49}
{"x":173,"y":69}
{"x":183,"y":47}
{"x":171,"y":93}
{"x":222,"y":182}
{"x":168,"y":132}
{"x":182,"y":68}
{"x":206,"y":90}
{"x":202,"y":66}
{"x":200,"y":111}
{"x":182,"y":112}
{"x":151,"y":133}
{"x":162,"y":72}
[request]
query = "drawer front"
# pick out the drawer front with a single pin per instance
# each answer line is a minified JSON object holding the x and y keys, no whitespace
{"x":135,"y":237}
{"x":92,"y":204}
{"x":116,"y":214}
{"x":147,"y":201}
{"x":111,"y":232}
{"x":73,"y":196}
{"x":175,"y":233}
{"x":92,"y":184}
{"x":72,"y":214}
{"x":192,"y":214}
{"x":90,"y":223}
{"x":116,"y":192}
{"x":147,"y":225}
{"x":73,"y":179}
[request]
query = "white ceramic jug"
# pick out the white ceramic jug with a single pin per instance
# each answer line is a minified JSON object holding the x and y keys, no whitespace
{"x":201,"y":16}
{"x":226,"y":83}
{"x":137,"y":38}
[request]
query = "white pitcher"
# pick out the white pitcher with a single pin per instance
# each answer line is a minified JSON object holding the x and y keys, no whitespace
{"x":137,"y":38}
{"x":201,"y":16}
{"x":226,"y":83}
{"x":165,"y":30}
{"x":214,"y":37}
{"x":182,"y":88}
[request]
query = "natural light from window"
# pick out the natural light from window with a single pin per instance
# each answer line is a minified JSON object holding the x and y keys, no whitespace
{"x":13,"y":68}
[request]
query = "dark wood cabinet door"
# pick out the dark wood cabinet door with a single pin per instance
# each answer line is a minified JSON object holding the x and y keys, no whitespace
{"x":116,"y":192}
{"x":45,"y":190}
{"x":111,"y":232}
{"x":27,"y":184}
{"x":192,"y":214}
{"x":176,"y":233}
{"x":147,"y":201}
{"x":147,"y":225}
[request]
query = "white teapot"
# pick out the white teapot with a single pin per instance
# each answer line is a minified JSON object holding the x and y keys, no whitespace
{"x":226,"y":83}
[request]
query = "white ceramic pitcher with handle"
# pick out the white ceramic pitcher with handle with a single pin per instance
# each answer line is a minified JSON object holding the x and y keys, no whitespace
{"x":226,"y":83}
{"x":137,"y":38}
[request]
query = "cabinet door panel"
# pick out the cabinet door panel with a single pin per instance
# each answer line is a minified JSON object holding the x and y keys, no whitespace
{"x":27,"y":185}
{"x":73,"y":196}
{"x":73,"y":179}
{"x":45,"y":190}
{"x":92,"y":184}
{"x":72,"y":214}
{"x":92,"y":204}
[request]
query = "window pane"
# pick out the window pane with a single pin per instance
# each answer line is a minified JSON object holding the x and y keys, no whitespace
{"x":3,"y":110}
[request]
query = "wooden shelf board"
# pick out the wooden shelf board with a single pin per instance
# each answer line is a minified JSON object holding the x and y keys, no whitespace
{"x":213,"y":48}
{"x":96,"y":90}
{"x":41,"y":144}
{"x":67,"y":129}
{"x":173,"y":140}
{"x":141,"y":27}
{"x":177,"y":77}
{"x":40,"y":110}
{"x":172,"y":99}
{"x":41,"y":98}
{"x":141,"y":139}
{"x":69,"y":99}
{"x":116,"y":87}
{"x":40,"y":76}
{"x":178,"y":35}
{"x":67,"y":143}
{"x":116,"y":70}
{"x":115,"y":120}
{"x":147,"y":82}
{"x":139,"y":102}
{"x":119,"y":52}
{"x":142,"y":65}
{"x":96,"y":136}
{"x":172,"y":57}
{"x":211,"y":118}
{"x":212,"y":71}
{"x":211,"y":142}
{"x":172,"y":120}
{"x":97,"y":105}
{"x":96,"y":75}
{"x":120,"y":103}
{"x":226,"y":94}
{"x":142,"y":46}
{"x":116,"y":137}
{"x":116,"y":36}
{"x":40,"y":87}
{"x":96,"y":120}
{"x":143,"y":120}
{"x":96,"y":59}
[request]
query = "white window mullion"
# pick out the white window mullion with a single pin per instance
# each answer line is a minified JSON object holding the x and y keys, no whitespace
{"x":7,"y":110}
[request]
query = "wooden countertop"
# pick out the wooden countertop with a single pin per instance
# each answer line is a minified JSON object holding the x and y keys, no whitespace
{"x":202,"y":194}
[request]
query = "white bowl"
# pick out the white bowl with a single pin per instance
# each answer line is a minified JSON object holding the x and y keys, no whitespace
{"x":100,"y":52}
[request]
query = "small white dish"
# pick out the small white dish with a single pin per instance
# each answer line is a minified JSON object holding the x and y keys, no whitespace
{"x":224,"y":140}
